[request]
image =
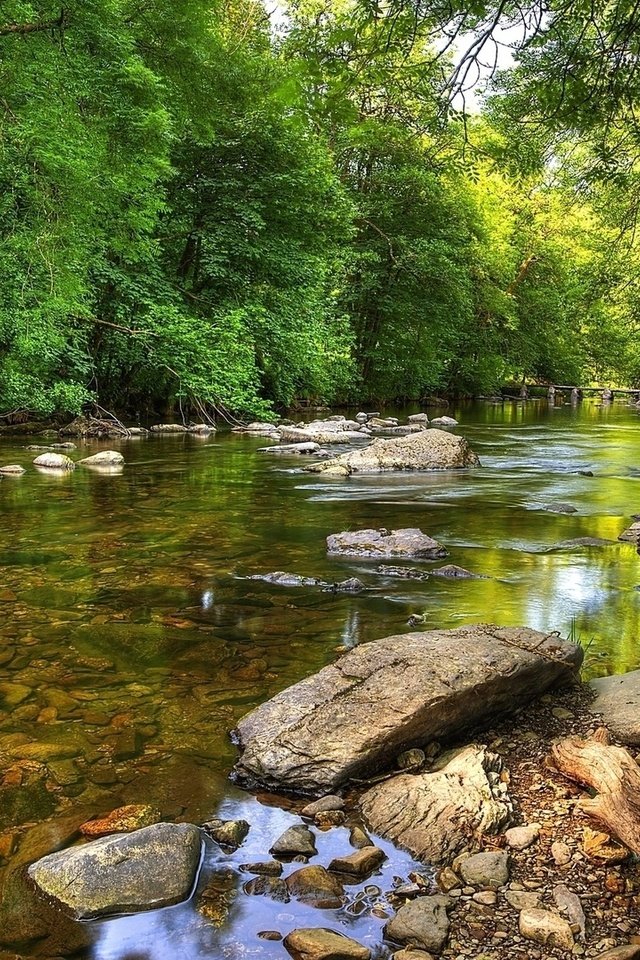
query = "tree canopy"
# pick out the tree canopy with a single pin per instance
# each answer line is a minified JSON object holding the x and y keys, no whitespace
{"x":201,"y":209}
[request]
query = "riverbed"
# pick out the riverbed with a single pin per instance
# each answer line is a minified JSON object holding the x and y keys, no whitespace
{"x":131,"y":640}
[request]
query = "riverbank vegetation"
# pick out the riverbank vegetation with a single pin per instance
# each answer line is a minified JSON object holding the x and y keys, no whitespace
{"x":209,"y":205}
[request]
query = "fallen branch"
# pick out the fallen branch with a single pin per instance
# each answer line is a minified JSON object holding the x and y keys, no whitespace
{"x":614,"y":774}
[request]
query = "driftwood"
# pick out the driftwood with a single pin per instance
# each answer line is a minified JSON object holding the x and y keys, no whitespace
{"x":614,"y":774}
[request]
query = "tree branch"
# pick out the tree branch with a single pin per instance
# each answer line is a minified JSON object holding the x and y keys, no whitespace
{"x":24,"y":28}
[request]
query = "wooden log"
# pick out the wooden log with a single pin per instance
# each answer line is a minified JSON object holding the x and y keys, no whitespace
{"x":614,"y":774}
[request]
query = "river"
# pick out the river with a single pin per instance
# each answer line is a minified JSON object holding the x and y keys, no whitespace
{"x":131,"y":640}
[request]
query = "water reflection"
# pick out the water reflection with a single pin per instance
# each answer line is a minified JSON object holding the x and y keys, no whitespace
{"x":130,"y":643}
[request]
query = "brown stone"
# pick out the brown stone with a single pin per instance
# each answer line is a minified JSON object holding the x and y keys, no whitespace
{"x":122,"y":820}
{"x":315,"y":887}
{"x":321,"y":944}
{"x":359,"y":864}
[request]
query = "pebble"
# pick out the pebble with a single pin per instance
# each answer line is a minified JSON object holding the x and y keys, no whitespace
{"x":561,"y":853}
{"x":330,"y":802}
{"x":519,"y":838}
{"x":487,"y":897}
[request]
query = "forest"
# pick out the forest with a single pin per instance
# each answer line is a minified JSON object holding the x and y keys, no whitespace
{"x":221,"y":206}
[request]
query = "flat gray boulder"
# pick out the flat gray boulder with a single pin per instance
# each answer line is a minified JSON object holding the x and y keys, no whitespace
{"x":426,"y":450}
{"x":355,"y":716}
{"x":435,"y":815}
{"x":123,"y":873}
{"x":409,"y":542}
{"x":618,"y":702}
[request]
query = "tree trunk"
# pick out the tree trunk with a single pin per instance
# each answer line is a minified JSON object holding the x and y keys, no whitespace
{"x":614,"y":774}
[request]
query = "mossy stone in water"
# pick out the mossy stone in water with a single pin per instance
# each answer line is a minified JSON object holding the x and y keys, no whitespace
{"x":152,"y":867}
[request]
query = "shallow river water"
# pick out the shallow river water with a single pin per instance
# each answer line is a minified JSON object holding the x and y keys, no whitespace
{"x":131,"y":640}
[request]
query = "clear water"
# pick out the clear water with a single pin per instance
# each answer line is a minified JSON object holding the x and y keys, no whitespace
{"x":131,"y":640}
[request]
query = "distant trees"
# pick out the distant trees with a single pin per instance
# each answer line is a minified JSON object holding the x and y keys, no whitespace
{"x":195,"y":211}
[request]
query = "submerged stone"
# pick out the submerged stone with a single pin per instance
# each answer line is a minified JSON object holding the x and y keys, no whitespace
{"x":122,"y":820}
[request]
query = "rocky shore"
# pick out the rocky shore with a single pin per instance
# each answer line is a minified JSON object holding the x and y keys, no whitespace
{"x":506,"y":863}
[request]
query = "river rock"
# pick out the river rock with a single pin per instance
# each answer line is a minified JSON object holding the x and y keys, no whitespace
{"x":618,"y":703}
{"x":418,"y":418}
{"x":405,"y":573}
{"x":435,"y":815}
{"x":519,"y":838}
{"x":569,"y":904}
{"x":359,"y":864}
{"x":422,"y":923}
{"x":153,"y":867}
{"x":265,"y":886}
{"x":352,"y":585}
{"x":296,"y":841}
{"x":321,"y":944}
{"x":105,"y":458}
{"x":486,"y":869}
{"x":359,"y":838}
{"x":546,"y":928}
{"x":292,"y":449}
{"x":315,"y":887}
{"x":356,"y":715}
{"x":228,"y":833}
{"x":630,"y":951}
{"x":168,"y":428}
{"x":631,"y":534}
{"x":282,"y":579}
{"x":54,"y":461}
{"x":330,"y":802}
{"x":581,"y":542}
{"x":453,"y":572}
{"x":12,"y":470}
{"x":444,"y":422}
{"x":407,"y":542}
{"x":201,"y":428}
{"x":522,"y":899}
{"x":412,"y":954}
{"x":122,"y":820}
{"x":266,"y":868}
{"x":560,"y":508}
{"x":323,"y":437}
{"x":561,"y":853}
{"x":427,"y":450}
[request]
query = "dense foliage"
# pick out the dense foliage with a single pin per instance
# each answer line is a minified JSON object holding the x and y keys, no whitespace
{"x":198,"y":211}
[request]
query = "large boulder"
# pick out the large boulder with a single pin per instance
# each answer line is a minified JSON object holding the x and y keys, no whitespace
{"x":356,"y":715}
{"x":435,"y":815}
{"x":427,"y":450}
{"x":409,"y":542}
{"x":153,"y":867}
{"x":618,"y":702}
